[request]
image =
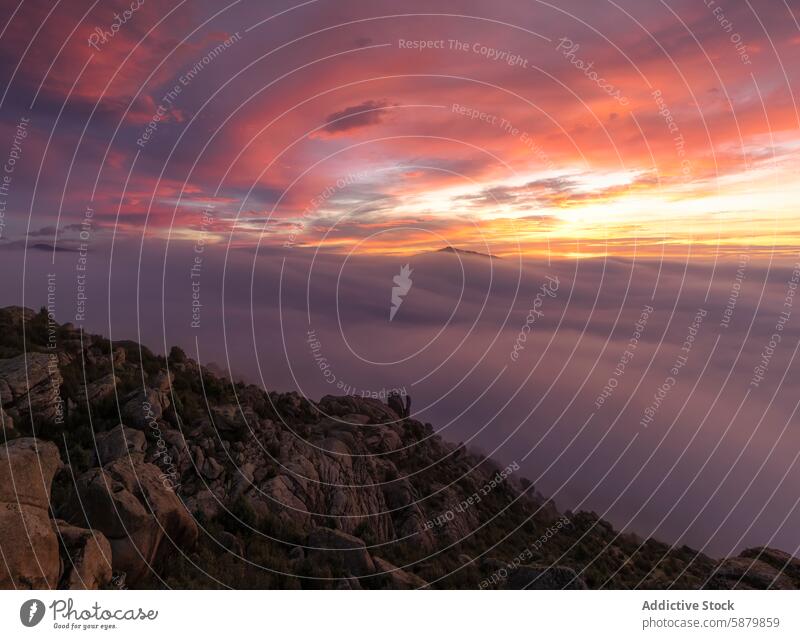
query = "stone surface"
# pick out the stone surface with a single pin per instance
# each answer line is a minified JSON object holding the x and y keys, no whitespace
{"x":30,"y":384}
{"x":204,"y":504}
{"x":27,"y":540}
{"x":781,"y":561}
{"x":398,"y":579}
{"x":134,"y":507}
{"x":377,"y":411}
{"x":544,"y":578}
{"x":744,"y":573}
{"x":27,"y":467}
{"x":29,"y":547}
{"x":101,"y":388}
{"x":103,"y":503}
{"x":163,"y":381}
{"x":6,"y":425}
{"x":120,"y":442}
{"x":350,"y":550}
{"x":212,"y":469}
{"x":86,"y":557}
{"x":143,"y":406}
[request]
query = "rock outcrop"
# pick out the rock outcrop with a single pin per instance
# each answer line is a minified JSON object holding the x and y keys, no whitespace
{"x":781,"y":561}
{"x":747,"y":573}
{"x":324,"y":544}
{"x":101,"y":388}
{"x":30,"y":557}
{"x":6,"y":425}
{"x":544,"y":578}
{"x":85,"y":556}
{"x":398,"y":579}
{"x":30,"y":384}
{"x":120,"y":442}
{"x":139,"y":514}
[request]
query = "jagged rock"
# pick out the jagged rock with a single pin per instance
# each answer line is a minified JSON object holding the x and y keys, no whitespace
{"x":326,"y":478}
{"x":120,"y":355}
{"x":296,"y":406}
{"x":134,"y":506}
{"x":199,"y":457}
{"x":6,"y":425}
{"x":383,"y":440}
{"x":163,"y":381}
{"x":547,"y":509}
{"x":86,"y":557}
{"x":290,"y":507}
{"x":212,"y":469}
{"x":27,"y":467}
{"x":242,"y":480}
{"x":398,"y":578}
{"x":396,"y":403}
{"x":30,"y":548}
{"x":544,"y":578}
{"x":120,"y":442}
{"x":230,"y":418}
{"x":103,"y":503}
{"x":377,"y":411}
{"x":409,"y":520}
{"x":100,"y":389}
{"x":743,"y":573}
{"x":327,"y":542}
{"x":208,"y":446}
{"x":781,"y":561}
{"x":231,"y":543}
{"x":156,"y":492}
{"x":348,"y":583}
{"x":98,"y":356}
{"x":143,"y":407}
{"x":17,"y":315}
{"x":174,"y":438}
{"x":491,"y":565}
{"x":13,"y":381}
{"x":204,"y":504}
{"x":30,"y":385}
{"x":27,"y":540}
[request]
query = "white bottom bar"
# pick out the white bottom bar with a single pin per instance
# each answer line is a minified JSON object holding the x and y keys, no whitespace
{"x":389,"y":614}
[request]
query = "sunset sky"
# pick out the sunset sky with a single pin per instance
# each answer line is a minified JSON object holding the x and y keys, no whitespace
{"x":582,"y":129}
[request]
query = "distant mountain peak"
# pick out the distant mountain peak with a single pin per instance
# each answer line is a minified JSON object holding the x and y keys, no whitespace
{"x":465,"y":252}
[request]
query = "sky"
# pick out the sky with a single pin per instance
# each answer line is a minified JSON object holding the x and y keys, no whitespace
{"x":583,"y":129}
{"x":247,"y":181}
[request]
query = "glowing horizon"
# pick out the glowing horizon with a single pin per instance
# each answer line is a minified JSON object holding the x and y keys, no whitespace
{"x":528,"y":133}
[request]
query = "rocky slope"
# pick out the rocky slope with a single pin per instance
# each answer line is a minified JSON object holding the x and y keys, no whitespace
{"x":124,"y":469}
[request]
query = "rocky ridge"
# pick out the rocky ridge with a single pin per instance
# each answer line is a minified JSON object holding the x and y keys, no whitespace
{"x":149,"y":471}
